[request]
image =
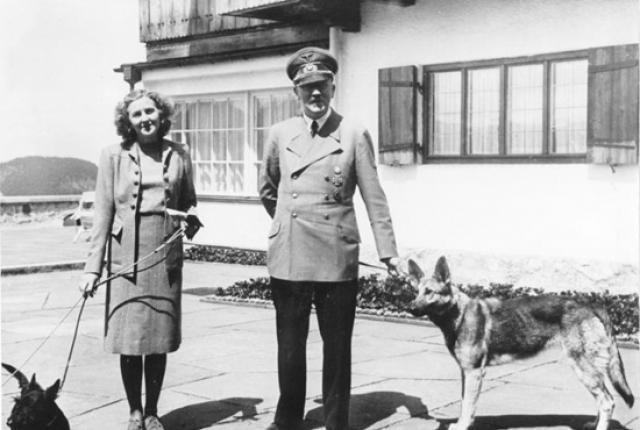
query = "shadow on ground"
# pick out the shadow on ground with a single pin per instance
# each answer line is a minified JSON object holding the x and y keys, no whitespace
{"x":370,"y":408}
{"x":205,"y":414}
{"x":497,"y":422}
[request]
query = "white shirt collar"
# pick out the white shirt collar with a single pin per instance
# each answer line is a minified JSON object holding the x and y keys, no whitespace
{"x":320,"y":120}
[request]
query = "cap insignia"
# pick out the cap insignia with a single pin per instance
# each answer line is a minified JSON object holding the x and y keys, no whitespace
{"x":310,"y":68}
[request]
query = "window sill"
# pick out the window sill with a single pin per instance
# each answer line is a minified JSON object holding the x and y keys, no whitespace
{"x":513,"y":159}
{"x":228,"y":199}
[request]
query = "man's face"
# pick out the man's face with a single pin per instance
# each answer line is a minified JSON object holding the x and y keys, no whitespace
{"x":315,"y":98}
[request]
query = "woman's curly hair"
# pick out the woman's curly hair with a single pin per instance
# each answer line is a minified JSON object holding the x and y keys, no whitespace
{"x":123,"y":125}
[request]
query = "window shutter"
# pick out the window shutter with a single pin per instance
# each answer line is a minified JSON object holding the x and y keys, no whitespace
{"x":612,"y":131}
{"x":397,"y":115}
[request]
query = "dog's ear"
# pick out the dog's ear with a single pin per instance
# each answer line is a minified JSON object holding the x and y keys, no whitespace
{"x":52,"y":392}
{"x":441,"y":274}
{"x":415,"y":272}
{"x":23,"y":382}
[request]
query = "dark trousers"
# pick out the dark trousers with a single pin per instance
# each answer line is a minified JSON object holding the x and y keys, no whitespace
{"x":335,"y":304}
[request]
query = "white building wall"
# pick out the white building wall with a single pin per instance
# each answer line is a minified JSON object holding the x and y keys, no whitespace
{"x":578,"y":211}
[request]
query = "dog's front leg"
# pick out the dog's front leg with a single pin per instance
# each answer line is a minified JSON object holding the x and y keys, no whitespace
{"x":472,"y":384}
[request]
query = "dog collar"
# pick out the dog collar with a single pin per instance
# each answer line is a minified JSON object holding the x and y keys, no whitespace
{"x":53,"y":420}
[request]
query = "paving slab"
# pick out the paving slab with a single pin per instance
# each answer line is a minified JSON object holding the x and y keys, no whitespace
{"x":38,"y":244}
{"x":411,"y":333}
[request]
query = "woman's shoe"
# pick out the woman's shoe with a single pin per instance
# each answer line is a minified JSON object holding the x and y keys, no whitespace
{"x":135,"y":421}
{"x":151,"y":422}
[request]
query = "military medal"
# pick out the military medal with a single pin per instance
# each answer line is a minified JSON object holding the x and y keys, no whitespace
{"x":338,"y":178}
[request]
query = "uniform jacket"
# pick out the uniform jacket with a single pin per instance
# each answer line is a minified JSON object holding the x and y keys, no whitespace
{"x":117,"y":202}
{"x":307,"y":186}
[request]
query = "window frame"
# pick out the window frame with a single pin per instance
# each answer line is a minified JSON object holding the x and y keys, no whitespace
{"x":249,"y":122}
{"x":503,"y":64}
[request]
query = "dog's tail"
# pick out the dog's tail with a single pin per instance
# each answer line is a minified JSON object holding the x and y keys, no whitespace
{"x":22,"y":380}
{"x":618,"y":378}
{"x":616,"y":368}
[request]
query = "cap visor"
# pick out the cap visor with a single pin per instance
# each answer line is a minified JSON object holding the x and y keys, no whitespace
{"x":313,"y":78}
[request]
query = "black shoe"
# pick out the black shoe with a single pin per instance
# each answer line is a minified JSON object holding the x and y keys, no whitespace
{"x":273,"y":426}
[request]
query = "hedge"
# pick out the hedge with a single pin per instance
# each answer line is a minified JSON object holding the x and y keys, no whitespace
{"x":392,"y":295}
{"x":226,"y":255}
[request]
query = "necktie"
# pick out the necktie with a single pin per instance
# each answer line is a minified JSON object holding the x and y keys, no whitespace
{"x":314,"y":128}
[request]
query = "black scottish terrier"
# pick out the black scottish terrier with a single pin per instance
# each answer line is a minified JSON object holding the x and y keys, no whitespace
{"x":35,"y":408}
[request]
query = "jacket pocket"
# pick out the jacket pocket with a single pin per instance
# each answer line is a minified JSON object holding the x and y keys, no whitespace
{"x":116,"y":229}
{"x":275,"y":229}
{"x":348,"y":234}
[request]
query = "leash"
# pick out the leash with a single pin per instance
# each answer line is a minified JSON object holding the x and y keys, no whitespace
{"x":177,"y":234}
{"x":373,"y":266}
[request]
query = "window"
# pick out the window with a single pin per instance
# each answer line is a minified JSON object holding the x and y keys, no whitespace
{"x":524,"y":109}
{"x":447,"y":108}
{"x":226,"y":135}
{"x":567,"y":130}
{"x":521,"y":108}
{"x":483,"y":115}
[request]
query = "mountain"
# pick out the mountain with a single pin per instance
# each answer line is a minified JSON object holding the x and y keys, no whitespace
{"x":32,"y":176}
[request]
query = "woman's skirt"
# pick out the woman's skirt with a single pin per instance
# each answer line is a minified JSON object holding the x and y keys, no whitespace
{"x":143,"y":310}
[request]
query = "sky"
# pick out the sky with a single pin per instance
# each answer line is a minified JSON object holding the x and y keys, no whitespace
{"x":57,"y":82}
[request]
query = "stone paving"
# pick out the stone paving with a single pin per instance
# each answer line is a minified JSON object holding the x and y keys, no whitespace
{"x":39,"y":244}
{"x":224,"y":375}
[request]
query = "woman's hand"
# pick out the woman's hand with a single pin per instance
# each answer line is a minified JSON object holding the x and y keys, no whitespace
{"x":193,"y":225}
{"x":88,"y":284}
{"x":190,"y":221}
{"x":392,"y":265}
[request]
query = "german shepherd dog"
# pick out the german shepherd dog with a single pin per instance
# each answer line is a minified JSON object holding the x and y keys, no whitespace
{"x":35,"y":409}
{"x":482,"y":332}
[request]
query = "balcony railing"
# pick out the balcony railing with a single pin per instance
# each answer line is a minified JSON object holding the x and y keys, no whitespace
{"x":171,"y":19}
{"x":343,"y":13}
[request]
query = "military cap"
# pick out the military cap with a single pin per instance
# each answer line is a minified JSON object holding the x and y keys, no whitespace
{"x":310,"y":65}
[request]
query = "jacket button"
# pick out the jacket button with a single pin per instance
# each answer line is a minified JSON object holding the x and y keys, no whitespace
{"x":326,"y":217}
{"x":294,"y":214}
{"x":326,"y":178}
{"x":326,"y":197}
{"x":136,"y":172}
{"x":294,"y":195}
{"x":135,"y":195}
{"x":166,"y":179}
{"x":135,"y":182}
{"x":133,"y":206}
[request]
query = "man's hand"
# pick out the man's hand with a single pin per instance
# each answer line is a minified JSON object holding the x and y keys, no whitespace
{"x":88,"y":284}
{"x":392,"y":265}
{"x":193,"y":225}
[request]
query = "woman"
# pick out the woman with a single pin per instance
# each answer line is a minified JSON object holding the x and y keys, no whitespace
{"x":144,"y":193}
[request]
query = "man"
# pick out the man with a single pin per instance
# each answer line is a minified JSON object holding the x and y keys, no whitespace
{"x":312,"y":165}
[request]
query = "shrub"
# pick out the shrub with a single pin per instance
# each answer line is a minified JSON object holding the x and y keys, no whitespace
{"x":226,"y":255}
{"x":393,"y":294}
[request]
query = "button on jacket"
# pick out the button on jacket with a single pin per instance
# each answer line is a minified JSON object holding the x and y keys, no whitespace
{"x":117,"y":204}
{"x":307,"y":186}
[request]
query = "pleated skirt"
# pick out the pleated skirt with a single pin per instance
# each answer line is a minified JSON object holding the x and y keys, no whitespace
{"x":143,"y":310}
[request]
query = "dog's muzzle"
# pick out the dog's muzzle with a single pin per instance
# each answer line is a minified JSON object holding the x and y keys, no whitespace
{"x":417,"y":309}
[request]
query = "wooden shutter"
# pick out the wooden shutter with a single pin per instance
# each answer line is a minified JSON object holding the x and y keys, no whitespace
{"x":612,"y":131}
{"x":397,"y":115}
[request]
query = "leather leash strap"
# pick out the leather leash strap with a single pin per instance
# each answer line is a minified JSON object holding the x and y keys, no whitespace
{"x":179,"y":233}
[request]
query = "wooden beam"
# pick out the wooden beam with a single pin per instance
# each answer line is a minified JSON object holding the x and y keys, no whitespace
{"x":238,"y":42}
